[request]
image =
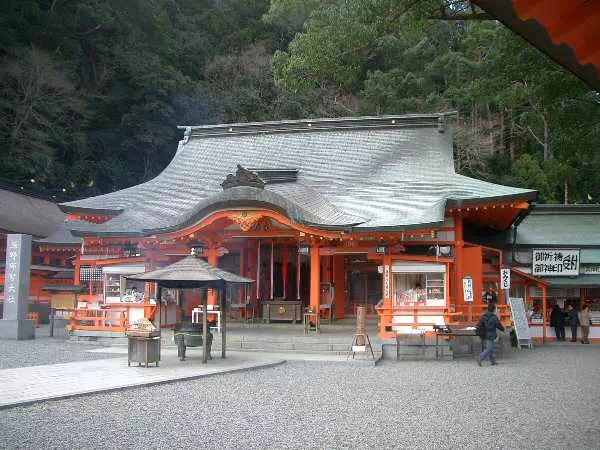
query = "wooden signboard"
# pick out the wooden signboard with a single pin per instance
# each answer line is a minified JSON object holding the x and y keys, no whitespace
{"x":519,"y":318}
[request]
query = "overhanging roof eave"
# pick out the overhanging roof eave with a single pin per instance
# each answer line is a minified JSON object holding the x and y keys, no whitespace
{"x":95,"y":211}
{"x":525,"y":196}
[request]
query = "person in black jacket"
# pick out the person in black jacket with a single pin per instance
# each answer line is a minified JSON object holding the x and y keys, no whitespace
{"x":491,"y":324}
{"x":573,"y":322}
{"x":557,"y":320}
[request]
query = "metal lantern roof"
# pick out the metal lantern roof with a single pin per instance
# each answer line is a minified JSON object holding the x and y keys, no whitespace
{"x":191,"y":272}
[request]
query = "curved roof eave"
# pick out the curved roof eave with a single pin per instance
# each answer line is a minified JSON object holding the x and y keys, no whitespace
{"x":251,"y":197}
{"x":526,"y":196}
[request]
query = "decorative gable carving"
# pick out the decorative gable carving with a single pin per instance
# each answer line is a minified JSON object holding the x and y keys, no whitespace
{"x":243,"y":177}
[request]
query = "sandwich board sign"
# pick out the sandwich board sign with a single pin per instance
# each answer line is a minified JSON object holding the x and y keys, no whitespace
{"x":519,"y":318}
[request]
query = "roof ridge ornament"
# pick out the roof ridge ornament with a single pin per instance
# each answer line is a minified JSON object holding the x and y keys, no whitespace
{"x":243,"y":177}
{"x":186,"y":137}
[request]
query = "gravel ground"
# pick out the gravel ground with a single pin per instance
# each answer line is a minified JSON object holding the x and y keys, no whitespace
{"x":546,"y":398}
{"x":45,"y":350}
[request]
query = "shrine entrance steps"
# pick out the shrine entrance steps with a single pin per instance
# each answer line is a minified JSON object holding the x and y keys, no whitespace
{"x":335,"y":338}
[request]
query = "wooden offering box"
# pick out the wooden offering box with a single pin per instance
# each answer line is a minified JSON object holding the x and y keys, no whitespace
{"x":282,"y":310}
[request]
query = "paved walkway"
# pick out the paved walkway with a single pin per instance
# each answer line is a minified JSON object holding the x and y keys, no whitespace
{"x":26,"y":385}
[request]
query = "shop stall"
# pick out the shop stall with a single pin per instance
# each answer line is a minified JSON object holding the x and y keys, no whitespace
{"x":419,"y":295}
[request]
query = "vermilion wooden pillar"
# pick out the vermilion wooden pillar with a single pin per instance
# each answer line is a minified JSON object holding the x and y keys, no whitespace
{"x":149,"y":265}
{"x":271,"y":264}
{"x":242,"y":272}
{"x":284,"y":269}
{"x":77,"y":274}
{"x":326,"y":275}
{"x":387,"y":290}
{"x":315,"y":279}
{"x":252,"y":270}
{"x":544,"y":312}
{"x":298,"y":273}
{"x":339,"y":281}
{"x":258,"y":269}
{"x":458,"y":259}
{"x":213,"y":260}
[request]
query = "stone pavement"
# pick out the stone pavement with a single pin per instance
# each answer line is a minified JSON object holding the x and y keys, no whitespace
{"x":26,"y":385}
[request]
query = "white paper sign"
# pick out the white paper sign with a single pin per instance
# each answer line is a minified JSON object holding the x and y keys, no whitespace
{"x":555,"y":262}
{"x":468,"y":289}
{"x":504,"y":278}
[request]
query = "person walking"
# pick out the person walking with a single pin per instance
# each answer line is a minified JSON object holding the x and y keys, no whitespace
{"x":557,"y":320}
{"x":490,"y":323}
{"x":573,"y":322}
{"x":585,"y":319}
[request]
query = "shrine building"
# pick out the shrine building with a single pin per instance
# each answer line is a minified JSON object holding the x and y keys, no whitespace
{"x":326,"y":214}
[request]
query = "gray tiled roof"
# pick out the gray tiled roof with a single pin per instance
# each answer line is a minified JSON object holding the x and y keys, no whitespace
{"x":62,"y":236}
{"x":561,"y":225}
{"x":579,"y":281}
{"x":366,"y":173}
{"x":29,"y":215}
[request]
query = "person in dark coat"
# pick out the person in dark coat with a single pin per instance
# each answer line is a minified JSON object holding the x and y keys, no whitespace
{"x":557,"y":320}
{"x":491,"y":324}
{"x":573,"y":322}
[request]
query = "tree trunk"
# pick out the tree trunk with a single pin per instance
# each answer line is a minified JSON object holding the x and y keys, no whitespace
{"x":491,"y":129}
{"x":512,"y":138}
{"x":502,"y":143}
{"x":547,"y":152}
{"x":566,"y":193}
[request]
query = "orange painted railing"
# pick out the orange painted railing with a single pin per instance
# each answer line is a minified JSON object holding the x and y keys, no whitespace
{"x":99,"y":319}
{"x":463,"y":313}
{"x":114,"y":318}
{"x":386,"y":317}
{"x":472,"y":313}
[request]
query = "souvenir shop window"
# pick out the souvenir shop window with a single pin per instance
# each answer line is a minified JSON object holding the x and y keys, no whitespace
{"x":419,"y":289}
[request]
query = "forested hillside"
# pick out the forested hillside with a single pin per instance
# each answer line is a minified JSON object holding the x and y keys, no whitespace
{"x":91,"y":90}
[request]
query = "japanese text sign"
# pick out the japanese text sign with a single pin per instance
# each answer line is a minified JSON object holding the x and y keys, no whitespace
{"x":555,"y":262}
{"x":504,"y":278}
{"x":468,"y":289}
{"x":16,"y":279}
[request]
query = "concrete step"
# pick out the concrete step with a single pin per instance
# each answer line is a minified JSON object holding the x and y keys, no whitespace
{"x":416,"y":352}
{"x":296,"y":344}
